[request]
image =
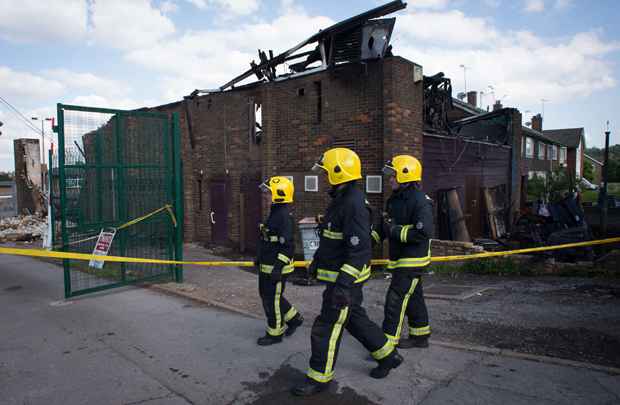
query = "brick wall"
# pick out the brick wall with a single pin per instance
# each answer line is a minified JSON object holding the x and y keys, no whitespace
{"x":374,"y":108}
{"x":339,"y":108}
{"x":403,"y":107}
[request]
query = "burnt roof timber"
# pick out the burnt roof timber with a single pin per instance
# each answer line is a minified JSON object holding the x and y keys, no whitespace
{"x":335,"y":29}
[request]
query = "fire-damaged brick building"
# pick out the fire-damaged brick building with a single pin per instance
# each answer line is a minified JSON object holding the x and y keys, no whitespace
{"x":349,"y":91}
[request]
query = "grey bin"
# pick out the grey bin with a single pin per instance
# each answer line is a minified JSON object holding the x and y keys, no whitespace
{"x":309,"y":237}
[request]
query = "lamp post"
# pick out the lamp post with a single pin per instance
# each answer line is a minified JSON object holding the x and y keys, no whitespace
{"x":543,"y":101}
{"x":604,"y":190}
{"x":42,"y":135}
{"x":464,"y":76}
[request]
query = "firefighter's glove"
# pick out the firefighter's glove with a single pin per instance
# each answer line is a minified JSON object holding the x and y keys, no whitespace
{"x":388,"y":227}
{"x":312,"y":269}
{"x":319,"y":219}
{"x":276,"y":272}
{"x":341,"y":297}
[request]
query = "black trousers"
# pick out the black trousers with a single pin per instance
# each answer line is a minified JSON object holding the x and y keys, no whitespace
{"x":277,"y":309}
{"x":327,"y":331}
{"x":405,"y":297}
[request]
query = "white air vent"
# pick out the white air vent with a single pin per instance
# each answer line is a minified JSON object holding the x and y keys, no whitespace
{"x":311,"y":183}
{"x":374,"y":184}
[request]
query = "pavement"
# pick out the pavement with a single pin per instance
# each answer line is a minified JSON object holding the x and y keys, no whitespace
{"x":570,"y":318}
{"x":139,"y":346}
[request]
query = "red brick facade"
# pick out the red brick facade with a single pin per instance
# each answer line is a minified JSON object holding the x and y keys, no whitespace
{"x":373,"y":108}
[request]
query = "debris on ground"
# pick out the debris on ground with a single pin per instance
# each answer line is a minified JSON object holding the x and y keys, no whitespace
{"x":22,"y":228}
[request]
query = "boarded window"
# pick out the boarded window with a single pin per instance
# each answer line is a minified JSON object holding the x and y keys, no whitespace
{"x":311,"y":183}
{"x":374,"y":184}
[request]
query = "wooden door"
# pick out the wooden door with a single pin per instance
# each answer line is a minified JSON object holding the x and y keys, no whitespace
{"x":473,"y":206}
{"x":219,"y":212}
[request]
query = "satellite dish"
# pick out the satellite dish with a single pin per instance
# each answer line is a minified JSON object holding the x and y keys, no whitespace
{"x":461,"y":96}
{"x":528,"y":124}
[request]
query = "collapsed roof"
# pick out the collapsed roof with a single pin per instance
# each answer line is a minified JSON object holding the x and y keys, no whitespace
{"x":359,"y":38}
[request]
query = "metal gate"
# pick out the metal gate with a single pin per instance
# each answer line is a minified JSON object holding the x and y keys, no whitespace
{"x":117,"y":174}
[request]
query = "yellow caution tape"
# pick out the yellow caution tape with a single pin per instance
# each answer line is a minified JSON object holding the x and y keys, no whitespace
{"x":166,"y":207}
{"x":86,"y":256}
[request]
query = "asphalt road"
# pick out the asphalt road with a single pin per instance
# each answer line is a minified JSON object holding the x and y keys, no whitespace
{"x":135,"y":346}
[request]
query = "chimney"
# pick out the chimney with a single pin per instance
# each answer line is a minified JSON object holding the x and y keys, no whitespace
{"x":537,"y":123}
{"x":472,"y":98}
{"x":498,"y":105}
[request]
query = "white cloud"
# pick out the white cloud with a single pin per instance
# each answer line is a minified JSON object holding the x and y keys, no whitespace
{"x":521,"y":64}
{"x":49,"y":20}
{"x":450,"y":27}
{"x":211,"y":58}
{"x":534,"y":6}
{"x":128,"y":24}
{"x":15,"y":85}
{"x":168,"y":7}
{"x":236,"y":7}
{"x":80,"y":81}
{"x":430,"y":4}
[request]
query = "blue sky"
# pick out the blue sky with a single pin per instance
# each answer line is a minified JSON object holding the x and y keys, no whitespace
{"x":134,"y":53}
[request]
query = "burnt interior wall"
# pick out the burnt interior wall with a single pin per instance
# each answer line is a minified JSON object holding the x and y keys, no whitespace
{"x":27,"y":156}
{"x":451,"y":162}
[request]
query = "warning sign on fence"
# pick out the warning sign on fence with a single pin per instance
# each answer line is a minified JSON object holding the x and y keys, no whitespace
{"x":102,"y":247}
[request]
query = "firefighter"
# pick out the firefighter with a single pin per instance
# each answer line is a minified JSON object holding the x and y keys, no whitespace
{"x":275,"y":262}
{"x":342,"y":261}
{"x":408,"y":225}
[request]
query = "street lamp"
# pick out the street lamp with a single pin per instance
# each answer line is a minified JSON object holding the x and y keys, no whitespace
{"x":603,"y":192}
{"x":543,"y":101}
{"x":464,"y":76}
{"x":42,"y":135}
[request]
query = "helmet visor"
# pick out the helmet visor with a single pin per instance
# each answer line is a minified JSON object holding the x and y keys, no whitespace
{"x":318,"y":165}
{"x":264,"y":187}
{"x":388,"y":169}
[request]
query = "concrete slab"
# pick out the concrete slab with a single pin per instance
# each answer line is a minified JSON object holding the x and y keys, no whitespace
{"x":453,"y":291}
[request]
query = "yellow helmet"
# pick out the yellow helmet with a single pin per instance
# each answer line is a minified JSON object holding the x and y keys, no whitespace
{"x":341,"y":164}
{"x":281,"y":189}
{"x":406,"y":168}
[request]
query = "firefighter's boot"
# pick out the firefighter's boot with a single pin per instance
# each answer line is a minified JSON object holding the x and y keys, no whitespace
{"x":309,"y":387}
{"x":293,"y":324}
{"x":268,"y":340}
{"x":413,"y":341}
{"x":385,"y":365}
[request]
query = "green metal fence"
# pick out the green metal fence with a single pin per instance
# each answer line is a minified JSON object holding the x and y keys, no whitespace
{"x":117,"y":171}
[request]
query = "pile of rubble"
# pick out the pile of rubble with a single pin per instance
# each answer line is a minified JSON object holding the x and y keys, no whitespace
{"x":22,"y":228}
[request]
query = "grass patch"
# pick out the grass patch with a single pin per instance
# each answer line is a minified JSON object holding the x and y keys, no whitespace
{"x":590,"y":196}
{"x":503,"y":266}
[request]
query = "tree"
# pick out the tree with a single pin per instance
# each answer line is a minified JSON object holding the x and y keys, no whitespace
{"x":588,"y":171}
{"x":6,"y":176}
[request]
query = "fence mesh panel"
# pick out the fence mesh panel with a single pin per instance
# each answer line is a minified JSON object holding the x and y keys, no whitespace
{"x":118,"y":166}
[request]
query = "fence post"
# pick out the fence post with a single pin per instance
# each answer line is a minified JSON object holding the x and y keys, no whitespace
{"x":178,"y":195}
{"x":63,"y":196}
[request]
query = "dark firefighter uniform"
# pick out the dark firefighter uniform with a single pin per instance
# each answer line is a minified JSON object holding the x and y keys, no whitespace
{"x":275,"y":262}
{"x":342,"y":261}
{"x":408,"y":225}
